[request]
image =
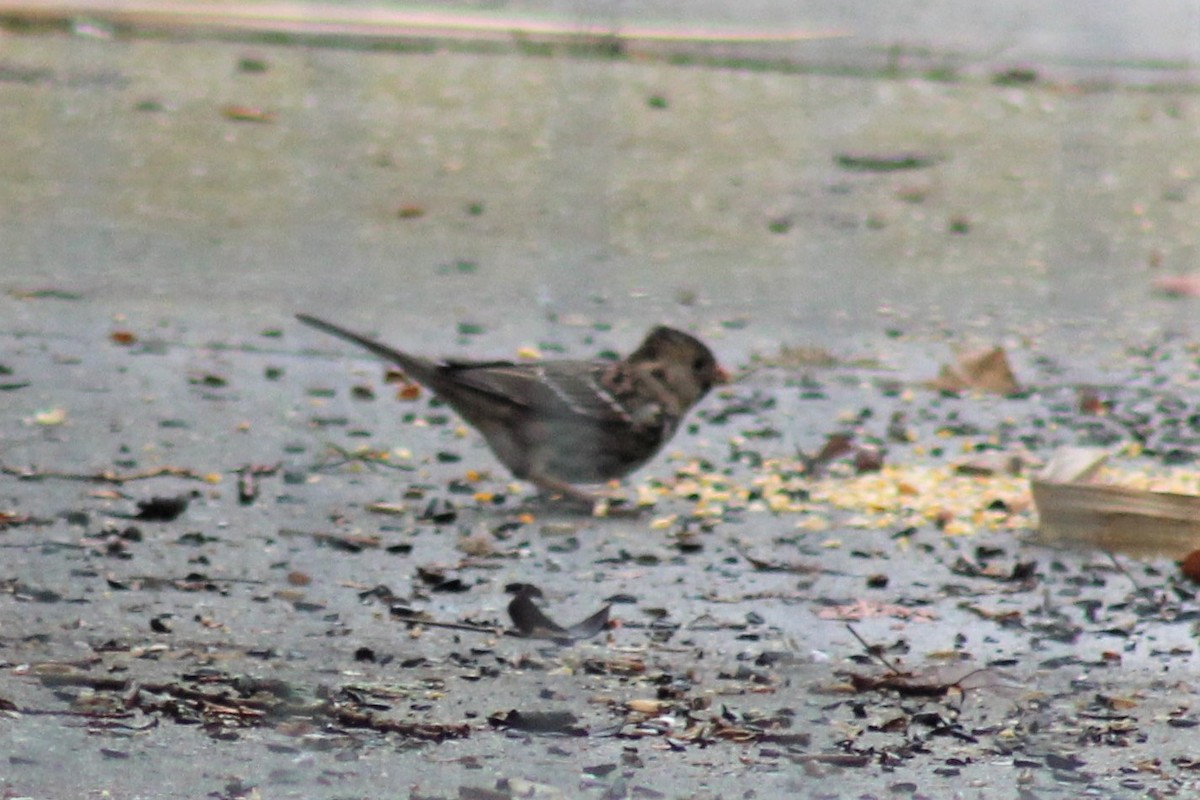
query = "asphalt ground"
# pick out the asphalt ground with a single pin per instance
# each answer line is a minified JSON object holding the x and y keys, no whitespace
{"x":169,"y":204}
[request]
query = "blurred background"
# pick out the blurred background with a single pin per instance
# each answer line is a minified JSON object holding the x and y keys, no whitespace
{"x":792,"y":171}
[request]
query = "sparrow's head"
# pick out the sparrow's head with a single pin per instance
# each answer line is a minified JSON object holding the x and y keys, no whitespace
{"x":688,"y":367}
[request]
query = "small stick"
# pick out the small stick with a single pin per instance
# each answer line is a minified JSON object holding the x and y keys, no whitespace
{"x":871,"y":651}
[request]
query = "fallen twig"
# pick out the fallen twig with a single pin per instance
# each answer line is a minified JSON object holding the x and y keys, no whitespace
{"x":106,"y":476}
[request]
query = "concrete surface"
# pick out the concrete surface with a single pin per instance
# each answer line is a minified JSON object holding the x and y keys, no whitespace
{"x":561,"y":207}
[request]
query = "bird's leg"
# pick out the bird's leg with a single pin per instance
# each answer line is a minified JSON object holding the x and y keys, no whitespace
{"x":597,"y":502}
{"x":554,"y":486}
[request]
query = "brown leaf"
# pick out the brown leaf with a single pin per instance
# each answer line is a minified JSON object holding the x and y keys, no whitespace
{"x":982,"y":370}
{"x":648,"y":706}
{"x":1191,"y":566}
{"x":868,"y":458}
{"x":838,"y":444}
{"x":1002,"y":616}
{"x":8,"y":518}
{"x":1091,"y":403}
{"x":298,"y":578}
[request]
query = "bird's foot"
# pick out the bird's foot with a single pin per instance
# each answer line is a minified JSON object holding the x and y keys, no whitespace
{"x":601,"y":504}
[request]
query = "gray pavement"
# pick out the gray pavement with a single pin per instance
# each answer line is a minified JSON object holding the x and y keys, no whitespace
{"x":556,"y":203}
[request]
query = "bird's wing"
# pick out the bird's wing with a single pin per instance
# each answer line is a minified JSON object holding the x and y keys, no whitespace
{"x":555,"y":389}
{"x":562,"y":389}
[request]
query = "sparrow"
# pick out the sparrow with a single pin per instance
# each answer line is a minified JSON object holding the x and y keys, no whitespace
{"x":557,"y":423}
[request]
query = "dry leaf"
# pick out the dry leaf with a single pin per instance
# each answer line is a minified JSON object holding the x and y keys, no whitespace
{"x":298,"y":578}
{"x":647,"y":705}
{"x":1191,"y":566}
{"x":982,"y":370}
{"x":1072,"y":507}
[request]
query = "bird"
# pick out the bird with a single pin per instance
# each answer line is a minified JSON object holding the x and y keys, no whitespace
{"x":559,"y":422}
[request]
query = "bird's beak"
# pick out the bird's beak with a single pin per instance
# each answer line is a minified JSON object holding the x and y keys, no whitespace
{"x":722,"y":376}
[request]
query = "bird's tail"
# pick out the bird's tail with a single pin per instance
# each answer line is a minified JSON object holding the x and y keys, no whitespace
{"x":416,"y":367}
